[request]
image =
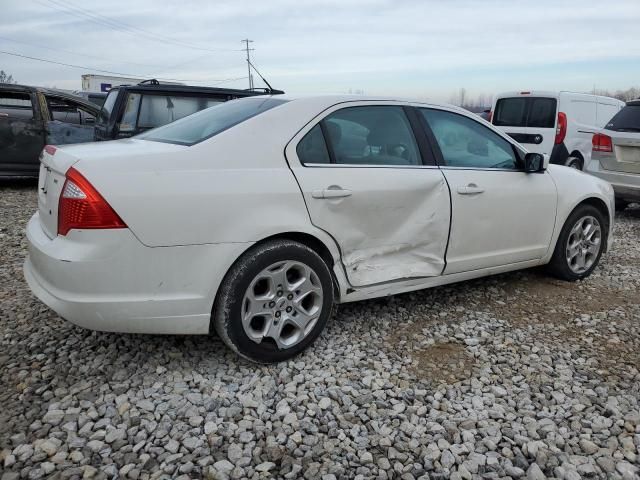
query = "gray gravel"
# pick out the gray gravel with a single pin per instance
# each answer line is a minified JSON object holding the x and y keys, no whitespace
{"x":516,"y":376}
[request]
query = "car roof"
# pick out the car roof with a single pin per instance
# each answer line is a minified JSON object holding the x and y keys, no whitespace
{"x":50,"y":91}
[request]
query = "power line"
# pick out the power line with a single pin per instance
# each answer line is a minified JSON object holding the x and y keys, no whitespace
{"x":104,"y":21}
{"x":217,"y":81}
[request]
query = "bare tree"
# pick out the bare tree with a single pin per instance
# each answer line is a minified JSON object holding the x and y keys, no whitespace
{"x":6,"y":78}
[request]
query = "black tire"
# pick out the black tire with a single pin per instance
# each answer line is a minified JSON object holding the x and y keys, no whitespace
{"x":621,"y":205}
{"x":574,"y":162}
{"x":559,"y":266}
{"x":227,"y":311}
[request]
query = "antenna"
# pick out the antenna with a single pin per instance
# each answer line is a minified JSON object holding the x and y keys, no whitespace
{"x":263,"y":79}
{"x":246,"y":41}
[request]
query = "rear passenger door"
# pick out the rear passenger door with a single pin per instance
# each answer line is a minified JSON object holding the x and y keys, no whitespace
{"x":69,"y":121}
{"x":21,"y":133}
{"x":373,"y":185}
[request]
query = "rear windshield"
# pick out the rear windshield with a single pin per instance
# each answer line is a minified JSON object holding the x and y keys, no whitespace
{"x":107,"y":106}
{"x":207,"y":123}
{"x":626,"y":119}
{"x":538,"y":112}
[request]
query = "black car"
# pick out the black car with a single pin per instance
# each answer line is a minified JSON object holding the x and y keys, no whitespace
{"x":32,"y":117}
{"x":132,"y":109}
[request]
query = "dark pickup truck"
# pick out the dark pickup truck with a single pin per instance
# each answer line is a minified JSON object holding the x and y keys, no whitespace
{"x":32,"y":117}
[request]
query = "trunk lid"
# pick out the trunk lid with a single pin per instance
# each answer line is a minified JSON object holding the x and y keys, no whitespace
{"x":53,"y":166}
{"x":626,"y":152}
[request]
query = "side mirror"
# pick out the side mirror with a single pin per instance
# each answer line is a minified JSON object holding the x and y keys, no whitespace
{"x":534,"y":163}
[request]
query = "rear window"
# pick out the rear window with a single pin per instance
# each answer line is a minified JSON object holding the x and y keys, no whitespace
{"x":107,"y":107}
{"x":158,"y":110}
{"x":537,"y":112}
{"x":207,"y":123}
{"x":626,"y":119}
{"x":16,"y":105}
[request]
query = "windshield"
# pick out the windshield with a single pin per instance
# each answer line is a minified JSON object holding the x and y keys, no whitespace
{"x":626,"y":119}
{"x":211,"y":121}
{"x":538,"y":112}
{"x":107,"y":106}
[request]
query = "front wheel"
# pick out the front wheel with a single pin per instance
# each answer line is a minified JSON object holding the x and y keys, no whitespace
{"x":580,"y":244}
{"x":274,"y":302}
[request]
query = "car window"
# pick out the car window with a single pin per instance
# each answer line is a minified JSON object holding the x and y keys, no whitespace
{"x":108,"y":105}
{"x":130,"y":115}
{"x":67,"y":111}
{"x":537,"y":112}
{"x":157,"y":110}
{"x":16,"y":105}
{"x":372,"y":135}
{"x":312,"y":148}
{"x":207,"y":123}
{"x":465,"y":142}
{"x":626,"y":119}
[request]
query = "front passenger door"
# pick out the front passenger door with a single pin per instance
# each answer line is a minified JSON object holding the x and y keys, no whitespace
{"x":500,"y":214}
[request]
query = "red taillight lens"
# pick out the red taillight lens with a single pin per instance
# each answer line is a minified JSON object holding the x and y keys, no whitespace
{"x":561,"y":128}
{"x":81,"y":206}
{"x":601,"y":143}
{"x":50,"y":149}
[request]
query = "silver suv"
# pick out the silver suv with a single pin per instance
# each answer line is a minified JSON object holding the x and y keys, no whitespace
{"x":616,"y":154}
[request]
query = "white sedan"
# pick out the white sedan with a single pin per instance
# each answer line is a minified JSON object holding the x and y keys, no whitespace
{"x":254,"y":217}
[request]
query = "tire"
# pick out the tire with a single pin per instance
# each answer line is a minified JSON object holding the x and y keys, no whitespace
{"x":274,"y":301}
{"x":571,"y":270}
{"x":574,"y":162}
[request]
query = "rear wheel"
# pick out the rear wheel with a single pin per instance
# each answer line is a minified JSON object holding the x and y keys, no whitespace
{"x":580,"y":244}
{"x":274,"y":302}
{"x":574,"y":162}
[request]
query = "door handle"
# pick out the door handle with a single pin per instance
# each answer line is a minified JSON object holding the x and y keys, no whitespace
{"x":331,"y":193}
{"x":471,"y":189}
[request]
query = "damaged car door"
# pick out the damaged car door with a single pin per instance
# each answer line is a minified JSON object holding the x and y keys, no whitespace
{"x":69,"y":121}
{"x":372,"y":184}
{"x":21,"y":133}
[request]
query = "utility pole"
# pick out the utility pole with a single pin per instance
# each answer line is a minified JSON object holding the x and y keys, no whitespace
{"x":246,"y":41}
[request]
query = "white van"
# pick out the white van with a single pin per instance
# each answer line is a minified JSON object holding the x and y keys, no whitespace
{"x":559,"y":124}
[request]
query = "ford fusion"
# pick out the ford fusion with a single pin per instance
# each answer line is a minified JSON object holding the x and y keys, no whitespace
{"x":254,"y":217}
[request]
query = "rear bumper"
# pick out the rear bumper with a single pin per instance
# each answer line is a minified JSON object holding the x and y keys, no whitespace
{"x":625,"y":185}
{"x":107,"y":280}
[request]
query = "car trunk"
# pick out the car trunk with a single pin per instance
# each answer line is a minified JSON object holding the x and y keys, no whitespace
{"x":54,"y":163}
{"x":529,"y":120}
{"x":626,"y":152}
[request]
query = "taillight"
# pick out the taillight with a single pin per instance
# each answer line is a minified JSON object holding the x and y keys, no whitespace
{"x":50,"y":149}
{"x":81,"y":206}
{"x":601,"y":143}
{"x":561,"y":128}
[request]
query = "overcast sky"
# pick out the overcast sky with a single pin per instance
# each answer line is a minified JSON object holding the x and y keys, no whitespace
{"x":414,"y":48}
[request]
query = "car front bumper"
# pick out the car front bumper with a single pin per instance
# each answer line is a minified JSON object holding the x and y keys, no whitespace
{"x":108,"y":280}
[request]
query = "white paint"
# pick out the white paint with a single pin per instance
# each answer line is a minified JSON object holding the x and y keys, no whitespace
{"x":192,"y":211}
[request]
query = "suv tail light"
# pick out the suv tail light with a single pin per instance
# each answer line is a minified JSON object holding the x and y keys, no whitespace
{"x":81,"y":206}
{"x":602,"y":143}
{"x":561,"y":128}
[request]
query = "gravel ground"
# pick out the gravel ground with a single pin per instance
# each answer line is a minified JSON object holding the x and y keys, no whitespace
{"x":512,"y":376}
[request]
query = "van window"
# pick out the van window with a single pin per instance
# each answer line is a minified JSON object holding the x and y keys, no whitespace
{"x":157,"y":110}
{"x":536,"y":112}
{"x":207,"y":123}
{"x":627,"y":119}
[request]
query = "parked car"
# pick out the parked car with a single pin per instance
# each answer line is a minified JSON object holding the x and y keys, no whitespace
{"x":616,"y":154}
{"x":254,"y":217}
{"x":558,"y":124}
{"x":31,"y":117}
{"x":132,"y":109}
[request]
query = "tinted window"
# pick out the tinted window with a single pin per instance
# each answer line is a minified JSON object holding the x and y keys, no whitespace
{"x":376,"y":135}
{"x":207,"y":123}
{"x":16,"y":105}
{"x":626,"y":119}
{"x":467,"y":143}
{"x":535,"y":112}
{"x":107,"y":107}
{"x":312,"y":148}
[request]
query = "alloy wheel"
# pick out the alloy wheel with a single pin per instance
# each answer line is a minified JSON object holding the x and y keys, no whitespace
{"x":583,"y":244}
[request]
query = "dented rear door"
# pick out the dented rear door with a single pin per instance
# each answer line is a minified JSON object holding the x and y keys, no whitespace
{"x":370,"y":189}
